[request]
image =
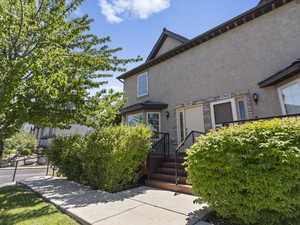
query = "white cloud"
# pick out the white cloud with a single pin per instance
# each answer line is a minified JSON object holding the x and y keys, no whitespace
{"x":115,"y":10}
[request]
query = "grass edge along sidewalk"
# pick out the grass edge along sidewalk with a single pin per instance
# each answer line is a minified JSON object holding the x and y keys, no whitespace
{"x":20,"y":205}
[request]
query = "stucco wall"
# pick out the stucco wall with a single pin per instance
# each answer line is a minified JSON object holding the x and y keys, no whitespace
{"x":168,"y":44}
{"x":232,"y":63}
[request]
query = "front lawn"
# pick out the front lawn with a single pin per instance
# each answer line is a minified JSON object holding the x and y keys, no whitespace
{"x":21,"y":206}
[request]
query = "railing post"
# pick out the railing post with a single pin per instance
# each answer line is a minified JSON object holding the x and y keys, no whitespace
{"x":53,"y":169}
{"x":48,"y":164}
{"x":193,"y":136}
{"x":16,"y":166}
{"x":165,"y":147}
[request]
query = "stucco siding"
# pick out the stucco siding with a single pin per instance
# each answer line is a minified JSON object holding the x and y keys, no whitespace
{"x":168,"y":44}
{"x":228,"y":65}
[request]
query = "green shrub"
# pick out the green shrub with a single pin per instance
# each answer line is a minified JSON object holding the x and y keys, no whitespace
{"x":250,"y":173}
{"x":22,"y":143}
{"x":65,"y":153}
{"x":114,"y":155}
{"x":108,"y":159}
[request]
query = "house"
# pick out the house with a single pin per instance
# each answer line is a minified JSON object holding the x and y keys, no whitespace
{"x":46,"y":134}
{"x":246,"y":68}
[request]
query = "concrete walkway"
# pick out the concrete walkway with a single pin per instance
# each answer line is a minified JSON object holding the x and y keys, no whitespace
{"x":138,"y":206}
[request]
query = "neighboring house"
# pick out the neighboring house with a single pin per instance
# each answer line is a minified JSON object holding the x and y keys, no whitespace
{"x":46,"y":134}
{"x":246,"y":68}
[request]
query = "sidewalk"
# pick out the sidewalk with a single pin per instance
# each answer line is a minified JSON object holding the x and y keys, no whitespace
{"x":138,"y":206}
{"x":25,"y":167}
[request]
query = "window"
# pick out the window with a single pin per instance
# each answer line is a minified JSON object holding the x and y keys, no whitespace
{"x":223,"y":111}
{"x":135,"y":119}
{"x":153,"y":121}
{"x":142,"y":85}
{"x":242,"y":110}
{"x":290,"y":97}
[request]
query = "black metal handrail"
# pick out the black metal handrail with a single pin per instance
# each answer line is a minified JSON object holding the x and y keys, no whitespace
{"x":192,"y":134}
{"x":16,"y":162}
{"x":239,"y":122}
{"x":160,"y":148}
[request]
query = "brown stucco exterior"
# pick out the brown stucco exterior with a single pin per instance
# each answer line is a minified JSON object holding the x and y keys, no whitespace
{"x":230,"y":65}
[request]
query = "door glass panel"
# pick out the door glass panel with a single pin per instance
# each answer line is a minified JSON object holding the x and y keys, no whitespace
{"x":135,"y":119}
{"x":291,"y":98}
{"x":181,"y":126}
{"x":223,"y":113}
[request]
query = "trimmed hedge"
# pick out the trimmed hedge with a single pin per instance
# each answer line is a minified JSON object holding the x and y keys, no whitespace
{"x":114,"y":156}
{"x":109,"y":159}
{"x":66,"y":153}
{"x":250,"y":173}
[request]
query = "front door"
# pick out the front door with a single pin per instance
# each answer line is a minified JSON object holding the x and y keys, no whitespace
{"x":189,"y":119}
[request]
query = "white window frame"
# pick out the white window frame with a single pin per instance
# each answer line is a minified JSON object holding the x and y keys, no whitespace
{"x":159,"y":119}
{"x":212,"y":112}
{"x":138,"y":86}
{"x":279,"y":89}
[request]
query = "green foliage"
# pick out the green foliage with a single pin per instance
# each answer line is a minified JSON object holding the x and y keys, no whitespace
{"x":114,"y":156}
{"x":108,"y":159}
{"x":65,"y":153}
{"x":21,"y":144}
{"x":250,"y":173}
{"x":49,"y":64}
{"x":21,"y":206}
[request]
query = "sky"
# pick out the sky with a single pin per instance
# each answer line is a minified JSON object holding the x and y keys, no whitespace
{"x":135,"y":25}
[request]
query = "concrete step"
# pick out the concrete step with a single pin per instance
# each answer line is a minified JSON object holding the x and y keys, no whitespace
{"x":168,"y":178}
{"x":181,"y":188}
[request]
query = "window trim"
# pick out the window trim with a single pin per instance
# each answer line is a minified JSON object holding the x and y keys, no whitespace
{"x":212,"y":112}
{"x":159,"y":119}
{"x":279,"y":89}
{"x":147,"y":85}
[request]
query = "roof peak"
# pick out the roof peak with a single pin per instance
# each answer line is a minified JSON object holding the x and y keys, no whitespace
{"x":165,"y":33}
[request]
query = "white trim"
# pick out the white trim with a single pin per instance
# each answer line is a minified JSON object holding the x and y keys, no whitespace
{"x":233,"y":109}
{"x":279,"y":89}
{"x":147,"y":80}
{"x":159,"y":119}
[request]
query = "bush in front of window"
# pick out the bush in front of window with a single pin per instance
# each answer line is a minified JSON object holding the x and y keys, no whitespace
{"x":109,"y":159}
{"x":249,"y":173}
{"x":114,"y":156}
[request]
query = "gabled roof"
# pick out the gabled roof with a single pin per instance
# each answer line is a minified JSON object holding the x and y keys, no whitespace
{"x":261,"y":9}
{"x":286,"y":73}
{"x":164,"y":35}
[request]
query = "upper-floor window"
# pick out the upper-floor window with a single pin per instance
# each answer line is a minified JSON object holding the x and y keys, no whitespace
{"x":142,"y":85}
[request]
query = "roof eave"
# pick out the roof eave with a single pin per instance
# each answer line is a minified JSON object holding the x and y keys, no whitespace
{"x":249,"y":15}
{"x":282,"y":75}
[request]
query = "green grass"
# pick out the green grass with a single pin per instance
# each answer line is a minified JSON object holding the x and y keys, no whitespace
{"x":21,"y":206}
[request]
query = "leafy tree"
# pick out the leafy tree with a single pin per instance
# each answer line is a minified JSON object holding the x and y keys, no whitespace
{"x":21,"y":144}
{"x":49,"y":63}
